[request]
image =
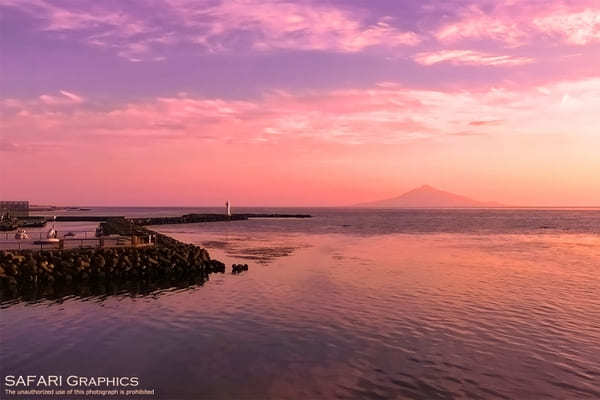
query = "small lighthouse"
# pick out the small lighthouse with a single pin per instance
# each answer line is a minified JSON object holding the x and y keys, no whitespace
{"x":228,"y":208}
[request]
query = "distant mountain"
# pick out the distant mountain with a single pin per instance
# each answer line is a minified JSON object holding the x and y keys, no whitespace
{"x":429,"y":197}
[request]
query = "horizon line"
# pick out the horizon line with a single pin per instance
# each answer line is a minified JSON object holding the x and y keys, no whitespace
{"x":310,"y":206}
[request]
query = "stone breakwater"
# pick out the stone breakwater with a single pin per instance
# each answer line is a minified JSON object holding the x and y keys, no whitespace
{"x":27,"y":271}
{"x":196,"y":218}
{"x":183,"y":219}
{"x":46,"y":273}
{"x":23,"y":222}
{"x":39,"y":221}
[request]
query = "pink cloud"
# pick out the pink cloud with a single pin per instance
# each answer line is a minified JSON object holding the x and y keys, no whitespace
{"x":212,"y":26}
{"x":480,"y":123}
{"x":386,"y":113}
{"x":289,"y":25}
{"x":65,"y":98}
{"x":72,"y":96}
{"x":469,"y":57}
{"x":476,"y":24}
{"x":578,"y":28}
{"x":97,"y":26}
{"x":516,"y":23}
{"x":58,"y":18}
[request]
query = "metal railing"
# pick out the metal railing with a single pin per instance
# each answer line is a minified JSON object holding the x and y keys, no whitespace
{"x":40,"y":235}
{"x":39,"y":241}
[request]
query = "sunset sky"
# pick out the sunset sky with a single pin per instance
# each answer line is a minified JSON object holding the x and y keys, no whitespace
{"x":190,"y":103}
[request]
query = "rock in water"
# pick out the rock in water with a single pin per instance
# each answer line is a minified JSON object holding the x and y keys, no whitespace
{"x":239,"y":268}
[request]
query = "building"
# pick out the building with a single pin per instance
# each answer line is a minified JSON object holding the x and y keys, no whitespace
{"x":14,"y":209}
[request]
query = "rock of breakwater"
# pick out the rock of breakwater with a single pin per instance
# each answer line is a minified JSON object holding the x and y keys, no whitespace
{"x":239,"y":268}
{"x":27,"y":267}
{"x":197,"y":218}
{"x":169,"y":259}
{"x":188,"y":219}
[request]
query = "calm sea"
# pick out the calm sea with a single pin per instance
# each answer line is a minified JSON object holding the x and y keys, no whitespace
{"x":373,"y":304}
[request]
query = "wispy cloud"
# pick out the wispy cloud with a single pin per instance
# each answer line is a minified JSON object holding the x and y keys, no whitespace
{"x":92,"y":23}
{"x":64,"y":98}
{"x":475,"y":23}
{"x":481,"y":123}
{"x":517,"y":23}
{"x":72,"y":96}
{"x":387,"y":113}
{"x":578,"y":28}
{"x":7,"y":146}
{"x":272,"y":24}
{"x":470,"y":57}
{"x":26,"y":106}
{"x":215,"y":26}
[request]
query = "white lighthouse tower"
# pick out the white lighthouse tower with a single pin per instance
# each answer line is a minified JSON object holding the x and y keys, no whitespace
{"x":228,"y":208}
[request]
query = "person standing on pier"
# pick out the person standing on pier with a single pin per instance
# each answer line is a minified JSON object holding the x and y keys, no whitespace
{"x":228,"y":207}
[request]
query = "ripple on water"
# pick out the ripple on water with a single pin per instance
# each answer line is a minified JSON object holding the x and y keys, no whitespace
{"x":341,"y":316}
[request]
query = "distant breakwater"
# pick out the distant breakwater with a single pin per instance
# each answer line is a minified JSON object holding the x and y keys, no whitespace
{"x":183,"y":219}
{"x":48,"y":273}
{"x":40,"y":221}
{"x":28,"y":222}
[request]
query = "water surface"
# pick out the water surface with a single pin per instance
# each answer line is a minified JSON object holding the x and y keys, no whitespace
{"x":431,"y":304}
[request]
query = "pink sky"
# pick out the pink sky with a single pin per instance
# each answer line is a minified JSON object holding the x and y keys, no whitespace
{"x":299,"y":103}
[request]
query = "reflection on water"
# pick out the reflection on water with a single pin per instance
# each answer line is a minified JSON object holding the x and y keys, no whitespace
{"x":436,"y":316}
{"x":100,"y":289}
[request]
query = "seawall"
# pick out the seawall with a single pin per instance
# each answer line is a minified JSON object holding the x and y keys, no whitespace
{"x":40,"y":221}
{"x":190,"y":218}
{"x":45,"y":273}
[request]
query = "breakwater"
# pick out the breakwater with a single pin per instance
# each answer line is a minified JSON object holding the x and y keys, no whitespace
{"x":183,"y":219}
{"x":23,"y":222}
{"x":166,"y":263}
{"x":39,"y":221}
{"x":197,"y":218}
{"x":156,"y":263}
{"x":187,"y":219}
{"x":81,"y":218}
